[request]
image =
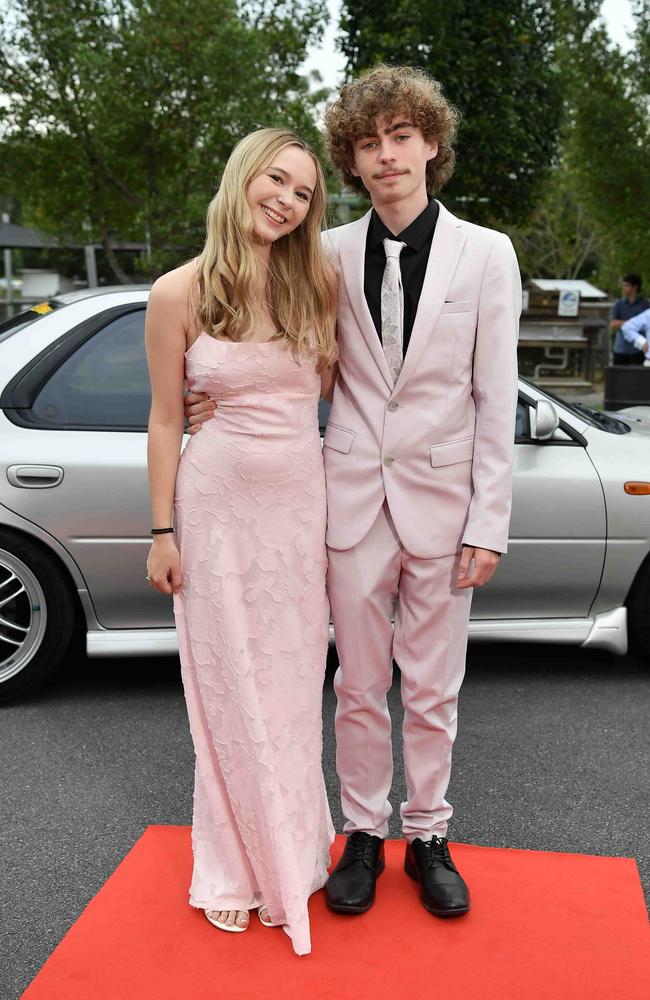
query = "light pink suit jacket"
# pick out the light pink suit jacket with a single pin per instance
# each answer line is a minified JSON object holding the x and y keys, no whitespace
{"x":438,"y":444}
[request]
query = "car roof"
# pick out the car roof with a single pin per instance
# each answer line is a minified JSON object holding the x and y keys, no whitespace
{"x":87,"y":293}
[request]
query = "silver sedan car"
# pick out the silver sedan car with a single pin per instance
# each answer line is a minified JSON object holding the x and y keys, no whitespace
{"x":74,"y":506}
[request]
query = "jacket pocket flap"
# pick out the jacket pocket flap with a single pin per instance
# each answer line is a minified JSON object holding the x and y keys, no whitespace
{"x":452,"y":452}
{"x":457,"y":307}
{"x":338,"y":438}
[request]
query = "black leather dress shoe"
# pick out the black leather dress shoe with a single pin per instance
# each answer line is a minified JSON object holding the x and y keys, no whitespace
{"x":351,"y":886}
{"x":442,"y":890}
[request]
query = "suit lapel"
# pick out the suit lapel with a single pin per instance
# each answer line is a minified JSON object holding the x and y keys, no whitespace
{"x":352,"y":252}
{"x":446,"y":246}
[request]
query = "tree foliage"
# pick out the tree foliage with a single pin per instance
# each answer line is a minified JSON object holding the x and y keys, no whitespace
{"x":605,"y":167}
{"x":497,"y":63}
{"x":559,"y":240}
{"x":120,"y":114}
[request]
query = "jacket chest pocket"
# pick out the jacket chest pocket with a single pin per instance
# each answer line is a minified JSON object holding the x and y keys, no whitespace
{"x":460,"y":307}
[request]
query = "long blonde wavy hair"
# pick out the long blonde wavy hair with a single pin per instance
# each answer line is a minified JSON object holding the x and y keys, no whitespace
{"x":300,"y":284}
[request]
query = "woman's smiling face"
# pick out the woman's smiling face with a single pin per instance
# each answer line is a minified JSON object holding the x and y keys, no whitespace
{"x":280,"y":196}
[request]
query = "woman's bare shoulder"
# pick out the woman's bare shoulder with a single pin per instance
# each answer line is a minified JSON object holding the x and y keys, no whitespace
{"x":175,"y":286}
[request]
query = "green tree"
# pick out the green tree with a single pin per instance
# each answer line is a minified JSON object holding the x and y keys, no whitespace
{"x":608,"y":133}
{"x":120,"y":114}
{"x":559,"y":240}
{"x":641,"y":11}
{"x":497,"y":63}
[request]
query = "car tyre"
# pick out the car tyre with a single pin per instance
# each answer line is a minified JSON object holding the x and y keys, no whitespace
{"x":37,"y":615}
{"x":638,"y":610}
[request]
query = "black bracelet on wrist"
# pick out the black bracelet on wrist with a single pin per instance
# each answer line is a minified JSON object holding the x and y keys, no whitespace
{"x":162,"y":531}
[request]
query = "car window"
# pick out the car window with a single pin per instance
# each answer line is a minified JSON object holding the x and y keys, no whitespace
{"x":522,"y":421}
{"x":12,"y":326}
{"x":105,"y":383}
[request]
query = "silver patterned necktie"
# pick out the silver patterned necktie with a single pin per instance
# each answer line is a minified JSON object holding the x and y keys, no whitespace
{"x":392,"y":308}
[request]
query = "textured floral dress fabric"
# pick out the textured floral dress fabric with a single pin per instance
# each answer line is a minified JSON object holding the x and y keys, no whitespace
{"x":252,"y":619}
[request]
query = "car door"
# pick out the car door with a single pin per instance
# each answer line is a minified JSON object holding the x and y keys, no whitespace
{"x":77,"y":465}
{"x":557,"y":539}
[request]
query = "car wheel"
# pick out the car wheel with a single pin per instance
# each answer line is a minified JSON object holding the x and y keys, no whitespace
{"x":37,"y":615}
{"x":638,"y":609}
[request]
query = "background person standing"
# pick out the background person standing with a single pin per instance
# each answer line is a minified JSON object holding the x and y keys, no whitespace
{"x":629,"y":305}
{"x":636,"y":332}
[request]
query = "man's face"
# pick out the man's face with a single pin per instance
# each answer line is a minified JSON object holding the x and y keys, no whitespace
{"x":629,"y":290}
{"x":392,"y":160}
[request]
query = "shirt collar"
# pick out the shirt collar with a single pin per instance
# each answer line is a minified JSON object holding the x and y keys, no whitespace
{"x":415,"y":235}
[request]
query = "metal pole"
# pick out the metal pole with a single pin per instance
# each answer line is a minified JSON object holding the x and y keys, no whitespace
{"x":91,"y":265}
{"x":8,"y":273}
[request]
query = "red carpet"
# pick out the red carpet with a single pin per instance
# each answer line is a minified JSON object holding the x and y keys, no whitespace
{"x":543,"y":927}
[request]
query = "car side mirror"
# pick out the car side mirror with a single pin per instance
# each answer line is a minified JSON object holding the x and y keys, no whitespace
{"x":544,"y":420}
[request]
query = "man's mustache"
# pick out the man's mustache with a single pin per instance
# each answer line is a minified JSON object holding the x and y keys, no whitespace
{"x":387,"y":173}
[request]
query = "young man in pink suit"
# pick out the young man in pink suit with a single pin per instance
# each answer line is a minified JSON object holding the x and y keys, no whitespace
{"x":418,"y":454}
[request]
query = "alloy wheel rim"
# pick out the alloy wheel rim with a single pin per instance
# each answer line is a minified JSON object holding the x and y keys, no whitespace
{"x":23,"y":615}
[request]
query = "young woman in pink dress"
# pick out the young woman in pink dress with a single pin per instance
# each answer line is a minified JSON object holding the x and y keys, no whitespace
{"x":239,"y":529}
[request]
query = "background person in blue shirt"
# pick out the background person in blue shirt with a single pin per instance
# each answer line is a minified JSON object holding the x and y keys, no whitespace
{"x":632,"y":303}
{"x":635,"y":331}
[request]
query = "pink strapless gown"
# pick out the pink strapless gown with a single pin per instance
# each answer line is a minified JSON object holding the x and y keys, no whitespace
{"x":252,"y":619}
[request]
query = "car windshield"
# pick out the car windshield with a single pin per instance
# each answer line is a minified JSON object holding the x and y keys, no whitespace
{"x":23,"y":319}
{"x":603,"y":421}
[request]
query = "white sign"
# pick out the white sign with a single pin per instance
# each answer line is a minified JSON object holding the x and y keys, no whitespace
{"x":568,"y":302}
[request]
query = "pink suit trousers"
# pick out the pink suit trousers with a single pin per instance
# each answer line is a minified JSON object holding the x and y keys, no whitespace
{"x":368,"y":584}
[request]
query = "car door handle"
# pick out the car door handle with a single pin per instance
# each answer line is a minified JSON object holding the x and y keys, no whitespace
{"x":34,"y":477}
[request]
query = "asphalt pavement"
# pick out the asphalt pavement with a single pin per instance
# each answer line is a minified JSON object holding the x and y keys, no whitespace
{"x":552,"y":754}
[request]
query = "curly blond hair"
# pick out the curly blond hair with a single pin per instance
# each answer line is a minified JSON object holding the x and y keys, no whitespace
{"x":388,"y":91}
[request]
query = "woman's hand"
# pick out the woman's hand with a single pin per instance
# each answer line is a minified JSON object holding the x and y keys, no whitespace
{"x":164,"y":565}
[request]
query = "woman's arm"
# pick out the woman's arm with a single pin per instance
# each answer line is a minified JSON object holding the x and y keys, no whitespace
{"x":165,"y":340}
{"x":328,"y":381}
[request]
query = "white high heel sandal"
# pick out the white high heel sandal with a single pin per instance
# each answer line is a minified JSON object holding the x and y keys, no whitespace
{"x":231,"y":928}
{"x":265,"y":923}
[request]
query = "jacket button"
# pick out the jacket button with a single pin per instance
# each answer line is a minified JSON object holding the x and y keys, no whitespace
{"x":389,"y":460}
{"x":392,"y":406}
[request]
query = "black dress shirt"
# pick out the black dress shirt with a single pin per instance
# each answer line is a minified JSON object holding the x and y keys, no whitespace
{"x":413,"y":264}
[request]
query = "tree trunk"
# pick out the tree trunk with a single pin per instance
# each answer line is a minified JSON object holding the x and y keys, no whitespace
{"x":113,"y":262}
